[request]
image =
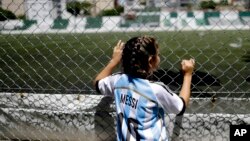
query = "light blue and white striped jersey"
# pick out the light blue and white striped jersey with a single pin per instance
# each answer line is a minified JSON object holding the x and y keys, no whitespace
{"x":140,"y":106}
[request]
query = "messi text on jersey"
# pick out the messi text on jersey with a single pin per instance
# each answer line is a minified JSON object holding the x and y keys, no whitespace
{"x":129,"y":100}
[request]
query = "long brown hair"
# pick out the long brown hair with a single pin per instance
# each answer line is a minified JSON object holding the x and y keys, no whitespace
{"x":136,"y":54}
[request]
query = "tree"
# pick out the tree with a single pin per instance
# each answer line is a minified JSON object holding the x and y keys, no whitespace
{"x":208,"y":5}
{"x":113,"y":12}
{"x":86,"y":6}
{"x":6,"y":14}
{"x":76,"y":7}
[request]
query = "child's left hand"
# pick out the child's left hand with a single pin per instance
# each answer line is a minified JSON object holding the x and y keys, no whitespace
{"x":117,"y":52}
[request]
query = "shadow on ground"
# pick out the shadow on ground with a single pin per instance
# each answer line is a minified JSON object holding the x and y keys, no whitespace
{"x":175,"y":79}
{"x":104,"y":121}
{"x":246,"y":58}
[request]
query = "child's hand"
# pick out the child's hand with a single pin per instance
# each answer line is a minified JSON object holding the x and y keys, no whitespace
{"x":117,"y":52}
{"x":188,"y":66}
{"x":116,"y":58}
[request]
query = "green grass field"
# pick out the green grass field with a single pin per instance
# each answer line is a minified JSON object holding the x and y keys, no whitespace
{"x":67,"y":63}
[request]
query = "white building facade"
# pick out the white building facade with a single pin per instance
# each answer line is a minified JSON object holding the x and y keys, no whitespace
{"x":44,"y":9}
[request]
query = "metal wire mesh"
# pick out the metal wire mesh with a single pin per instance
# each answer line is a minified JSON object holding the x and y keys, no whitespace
{"x":50,"y":51}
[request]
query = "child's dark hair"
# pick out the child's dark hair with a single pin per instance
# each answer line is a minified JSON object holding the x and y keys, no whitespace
{"x":136,"y":54}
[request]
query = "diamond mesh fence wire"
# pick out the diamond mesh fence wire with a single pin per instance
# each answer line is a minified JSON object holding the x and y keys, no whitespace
{"x":51,"y":50}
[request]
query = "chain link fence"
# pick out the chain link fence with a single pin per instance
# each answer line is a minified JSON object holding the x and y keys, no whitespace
{"x":50,"y":51}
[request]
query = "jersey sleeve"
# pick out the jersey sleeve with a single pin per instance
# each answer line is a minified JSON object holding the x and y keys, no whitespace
{"x":168,"y":100}
{"x":105,"y":86}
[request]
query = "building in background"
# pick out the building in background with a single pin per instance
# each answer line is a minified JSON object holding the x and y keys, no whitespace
{"x":100,"y":5}
{"x":15,"y":6}
{"x":52,"y":9}
{"x":138,"y":4}
{"x":44,"y":9}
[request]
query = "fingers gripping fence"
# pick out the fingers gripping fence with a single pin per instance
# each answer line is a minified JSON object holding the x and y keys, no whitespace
{"x":51,"y":50}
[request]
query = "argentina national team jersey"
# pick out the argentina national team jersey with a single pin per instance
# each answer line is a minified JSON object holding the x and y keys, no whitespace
{"x":140,"y":106}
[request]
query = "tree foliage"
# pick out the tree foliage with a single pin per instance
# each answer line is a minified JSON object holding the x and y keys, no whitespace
{"x":208,"y":4}
{"x":76,"y":7}
{"x":113,"y":12}
{"x":6,"y":14}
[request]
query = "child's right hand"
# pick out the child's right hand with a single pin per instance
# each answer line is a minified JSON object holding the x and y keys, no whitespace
{"x":187,"y":66}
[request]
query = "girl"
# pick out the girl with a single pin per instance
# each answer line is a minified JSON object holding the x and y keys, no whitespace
{"x":140,"y":103}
